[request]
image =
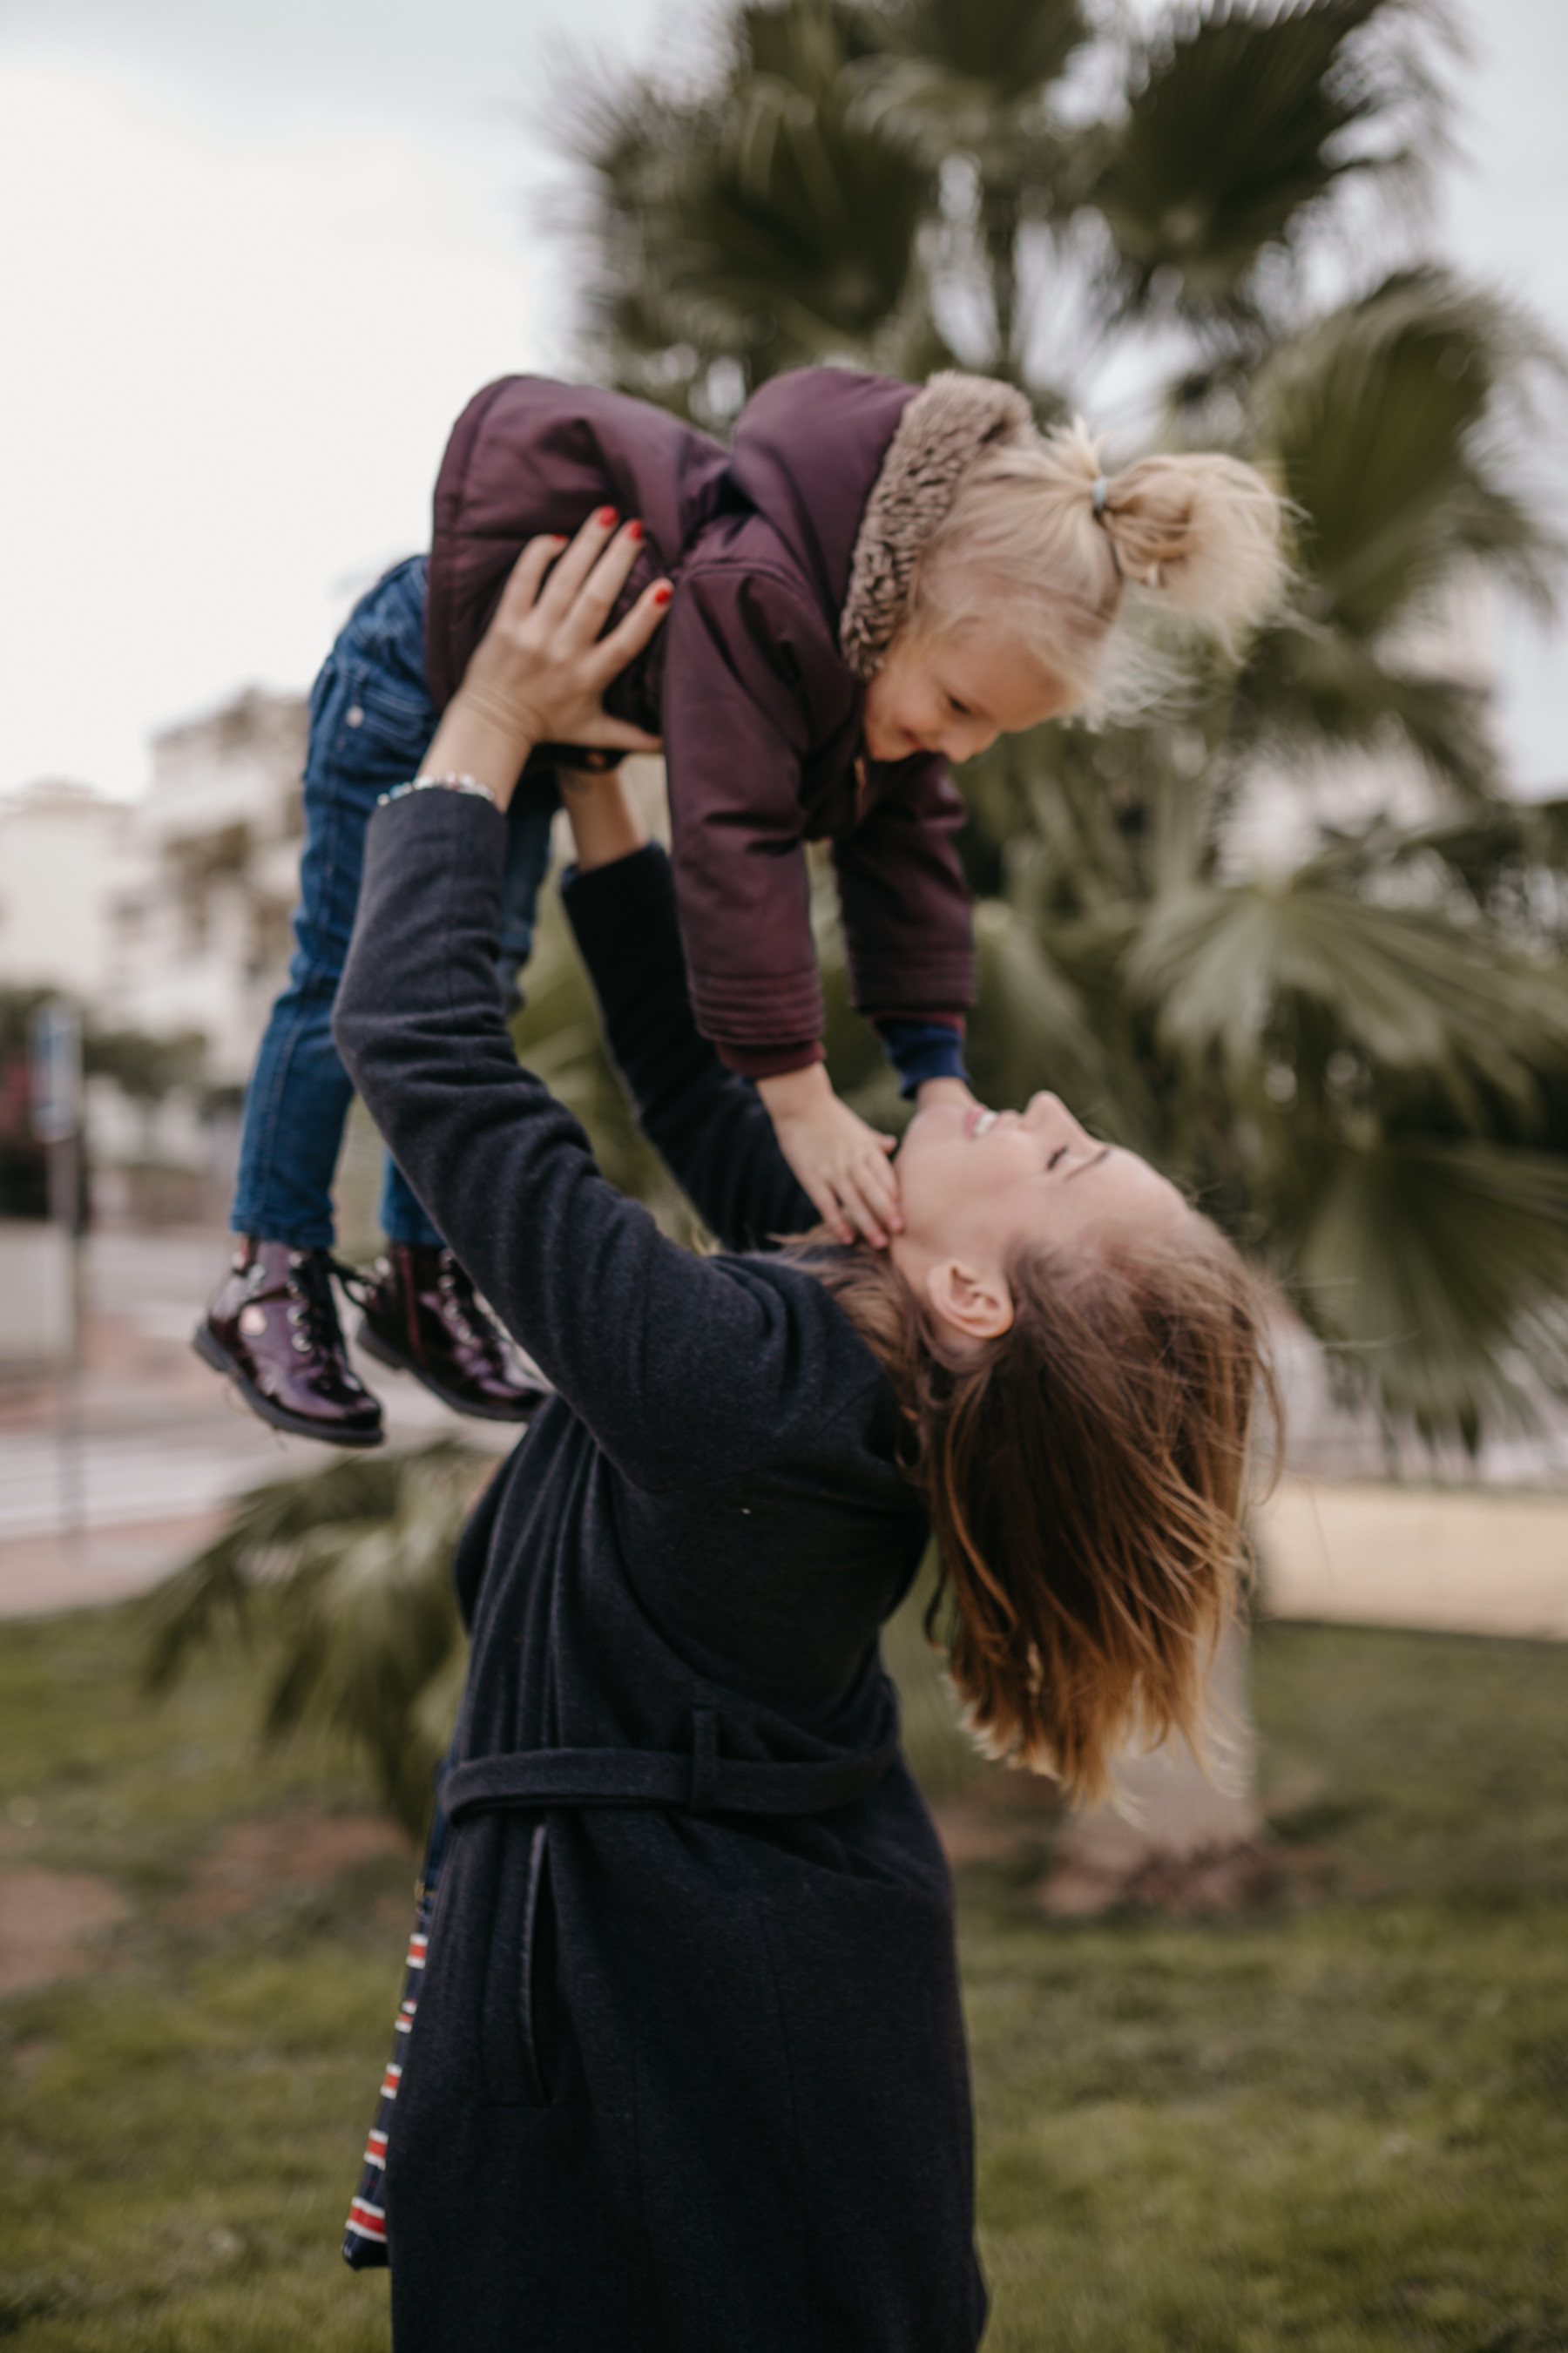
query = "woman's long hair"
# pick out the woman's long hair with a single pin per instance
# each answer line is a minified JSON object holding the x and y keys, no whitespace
{"x":1085,"y":1474}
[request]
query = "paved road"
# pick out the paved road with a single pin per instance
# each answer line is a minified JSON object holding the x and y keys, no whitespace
{"x":48,"y":1480}
{"x":101,"y":1494}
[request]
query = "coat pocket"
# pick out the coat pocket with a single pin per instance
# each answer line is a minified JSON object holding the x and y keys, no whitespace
{"x":519,"y":1979}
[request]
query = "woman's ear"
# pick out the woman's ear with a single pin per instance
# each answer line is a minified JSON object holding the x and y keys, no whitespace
{"x":973,"y":1301}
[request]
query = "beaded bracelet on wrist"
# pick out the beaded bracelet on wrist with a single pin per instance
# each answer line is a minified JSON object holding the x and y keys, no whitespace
{"x":430,"y":784}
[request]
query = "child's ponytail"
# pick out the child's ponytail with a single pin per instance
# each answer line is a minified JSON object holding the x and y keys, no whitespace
{"x":1039,"y":533}
{"x":1200,"y":532}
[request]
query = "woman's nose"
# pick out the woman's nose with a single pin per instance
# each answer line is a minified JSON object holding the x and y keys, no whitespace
{"x":1046,"y":1110}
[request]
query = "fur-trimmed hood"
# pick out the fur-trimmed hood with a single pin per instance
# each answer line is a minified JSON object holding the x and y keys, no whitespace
{"x":940,"y":435}
{"x":855,"y":473}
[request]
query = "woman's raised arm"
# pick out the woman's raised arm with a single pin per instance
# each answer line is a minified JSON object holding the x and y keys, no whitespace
{"x":684,"y":1368}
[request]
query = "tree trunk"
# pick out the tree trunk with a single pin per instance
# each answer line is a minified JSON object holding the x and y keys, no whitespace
{"x":1177,"y":1838}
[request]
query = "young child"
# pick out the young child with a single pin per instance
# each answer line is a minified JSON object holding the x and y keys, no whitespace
{"x":874,"y":581}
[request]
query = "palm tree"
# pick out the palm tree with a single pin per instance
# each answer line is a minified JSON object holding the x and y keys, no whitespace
{"x":342,"y":1581}
{"x":1350,"y":1057}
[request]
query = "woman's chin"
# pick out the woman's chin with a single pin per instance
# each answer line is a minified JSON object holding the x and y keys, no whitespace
{"x":934,"y":1120}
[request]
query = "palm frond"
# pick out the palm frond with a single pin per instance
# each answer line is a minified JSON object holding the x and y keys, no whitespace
{"x":772,"y":218}
{"x":362,"y":1628}
{"x":993,"y":52}
{"x":1241,"y":124}
{"x":1508,"y":861}
{"x":1038,"y":1028}
{"x":1438,"y":1271}
{"x":1392,"y":423}
{"x":1407,"y":987}
{"x":210,"y":1594}
{"x":341,"y":1580}
{"x":1314,"y":691}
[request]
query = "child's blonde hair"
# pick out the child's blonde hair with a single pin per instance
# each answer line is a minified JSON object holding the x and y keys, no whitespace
{"x":1036,"y":532}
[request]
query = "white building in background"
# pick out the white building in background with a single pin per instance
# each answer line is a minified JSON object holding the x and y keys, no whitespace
{"x":198,"y":919}
{"x":171,"y":912}
{"x":165,"y":915}
{"x":63,"y":853}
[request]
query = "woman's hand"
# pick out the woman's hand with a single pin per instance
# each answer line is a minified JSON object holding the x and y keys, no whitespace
{"x":839,"y":1161}
{"x":538,"y":674}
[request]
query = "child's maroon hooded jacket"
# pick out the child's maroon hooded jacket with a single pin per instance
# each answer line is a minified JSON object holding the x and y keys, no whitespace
{"x":792,"y":554}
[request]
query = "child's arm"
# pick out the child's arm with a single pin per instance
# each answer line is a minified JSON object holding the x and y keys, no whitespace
{"x":907,"y":932}
{"x":753,"y":689}
{"x":704,"y":1121}
{"x":840,"y":1162}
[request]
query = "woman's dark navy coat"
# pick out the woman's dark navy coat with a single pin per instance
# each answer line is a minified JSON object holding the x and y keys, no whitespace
{"x":679,"y":2082}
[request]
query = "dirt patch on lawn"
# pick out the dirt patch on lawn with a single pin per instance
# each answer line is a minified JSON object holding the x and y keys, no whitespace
{"x":54,"y":1924}
{"x":985,"y":1827}
{"x":302,"y":1850}
{"x":60,"y":1923}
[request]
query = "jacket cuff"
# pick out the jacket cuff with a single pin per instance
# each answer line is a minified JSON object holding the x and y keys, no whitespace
{"x":769,"y":1062}
{"x":761,"y":1023}
{"x":923,"y":1049}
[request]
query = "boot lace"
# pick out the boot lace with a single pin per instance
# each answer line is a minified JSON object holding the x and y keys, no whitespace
{"x":311,"y":1311}
{"x":468,"y":1314}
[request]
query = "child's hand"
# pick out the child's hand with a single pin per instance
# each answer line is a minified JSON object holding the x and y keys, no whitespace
{"x":840,"y":1162}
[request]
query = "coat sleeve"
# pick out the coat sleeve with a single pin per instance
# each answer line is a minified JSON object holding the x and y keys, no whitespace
{"x":742,"y":663}
{"x":707,"y":1123}
{"x":907,"y":924}
{"x":684,"y":1369}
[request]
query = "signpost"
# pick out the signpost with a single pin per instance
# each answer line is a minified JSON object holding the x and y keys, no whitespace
{"x":55,"y":1097}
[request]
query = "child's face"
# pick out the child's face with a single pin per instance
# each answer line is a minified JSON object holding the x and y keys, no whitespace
{"x":955,"y":695}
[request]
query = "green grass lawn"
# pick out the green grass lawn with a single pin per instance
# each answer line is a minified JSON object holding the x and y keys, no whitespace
{"x":1342,"y":2123}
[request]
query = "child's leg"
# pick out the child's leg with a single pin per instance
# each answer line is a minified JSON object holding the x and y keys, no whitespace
{"x":273,"y":1326}
{"x":370,"y":719}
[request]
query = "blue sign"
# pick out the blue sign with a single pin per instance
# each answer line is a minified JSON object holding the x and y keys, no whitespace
{"x":57,"y":1073}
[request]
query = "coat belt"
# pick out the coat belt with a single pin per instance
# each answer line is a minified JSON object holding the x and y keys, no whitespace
{"x":702,"y":1783}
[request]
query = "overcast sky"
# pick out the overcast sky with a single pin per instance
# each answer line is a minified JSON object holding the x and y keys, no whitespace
{"x":253,"y":259}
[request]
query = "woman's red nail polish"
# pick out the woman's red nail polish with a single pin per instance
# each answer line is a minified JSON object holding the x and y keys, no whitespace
{"x":607,"y":516}
{"x":663,"y":592}
{"x":634,"y":531}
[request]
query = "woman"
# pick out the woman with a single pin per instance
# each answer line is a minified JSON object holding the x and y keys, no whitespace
{"x":687,"y":2066}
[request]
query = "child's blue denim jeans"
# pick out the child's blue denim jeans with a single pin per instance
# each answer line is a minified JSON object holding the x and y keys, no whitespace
{"x":371,"y":720}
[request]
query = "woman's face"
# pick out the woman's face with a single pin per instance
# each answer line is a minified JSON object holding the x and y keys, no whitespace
{"x":975,"y":1185}
{"x":955,"y":695}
